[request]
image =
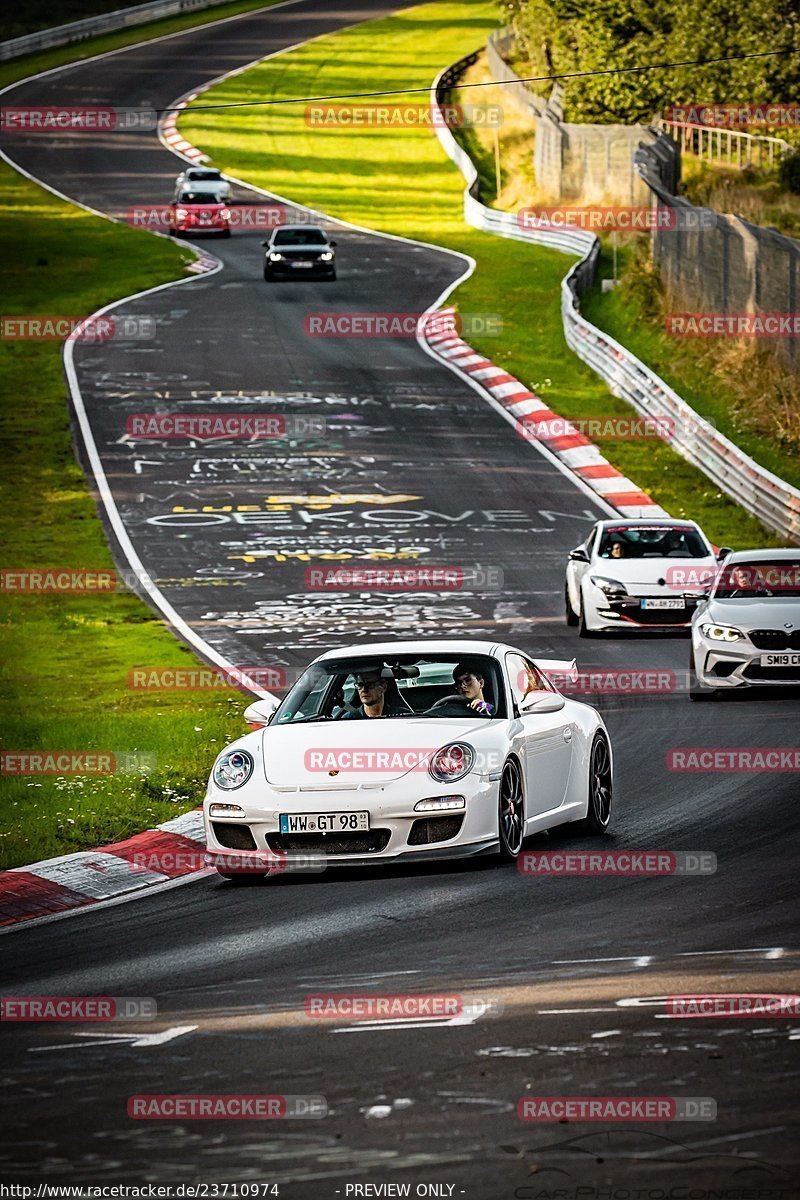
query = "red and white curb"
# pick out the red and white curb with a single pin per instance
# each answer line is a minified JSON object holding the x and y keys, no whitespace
{"x":535,"y":421}
{"x":168,"y":130}
{"x":72,"y":881}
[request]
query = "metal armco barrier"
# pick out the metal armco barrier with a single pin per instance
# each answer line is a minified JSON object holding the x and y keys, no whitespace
{"x":79,"y":31}
{"x":772,"y":500}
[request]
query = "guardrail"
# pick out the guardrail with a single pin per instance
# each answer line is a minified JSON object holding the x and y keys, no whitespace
{"x":771,"y":499}
{"x":707,"y":143}
{"x":79,"y":31}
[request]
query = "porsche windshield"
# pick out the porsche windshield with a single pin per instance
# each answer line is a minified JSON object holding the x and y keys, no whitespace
{"x":408,"y":686}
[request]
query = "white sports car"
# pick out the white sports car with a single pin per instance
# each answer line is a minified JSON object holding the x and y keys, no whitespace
{"x":638,"y":574}
{"x":408,"y":750}
{"x":207,"y":180}
{"x":747,"y":633}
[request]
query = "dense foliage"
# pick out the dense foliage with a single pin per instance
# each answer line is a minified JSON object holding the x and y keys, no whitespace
{"x":557,"y":36}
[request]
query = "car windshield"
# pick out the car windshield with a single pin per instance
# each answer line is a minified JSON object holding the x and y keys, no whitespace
{"x":400,"y":686}
{"x":195,"y":175}
{"x":300,"y":237}
{"x":656,"y":541}
{"x":198,"y":198}
{"x":751,"y":580}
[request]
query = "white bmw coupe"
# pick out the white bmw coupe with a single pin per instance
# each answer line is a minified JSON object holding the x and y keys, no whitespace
{"x":408,"y":750}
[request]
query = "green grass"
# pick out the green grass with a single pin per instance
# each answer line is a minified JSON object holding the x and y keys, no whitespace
{"x":67,"y":658}
{"x":31,"y":64}
{"x":687,"y":365}
{"x":398,"y":180}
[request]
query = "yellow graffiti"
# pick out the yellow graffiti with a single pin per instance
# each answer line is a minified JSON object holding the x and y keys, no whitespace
{"x":284,"y":503}
{"x":325,"y":556}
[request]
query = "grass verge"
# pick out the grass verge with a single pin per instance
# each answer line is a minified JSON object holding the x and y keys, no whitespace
{"x":397,"y":179}
{"x":755,"y":397}
{"x":67,"y":656}
{"x":64,"y":685}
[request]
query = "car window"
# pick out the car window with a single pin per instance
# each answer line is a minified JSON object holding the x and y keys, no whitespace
{"x":198,"y":198}
{"x":654,"y":541}
{"x":299,"y":237}
{"x":758,"y":580}
{"x":524,"y":677}
{"x":415,"y":686}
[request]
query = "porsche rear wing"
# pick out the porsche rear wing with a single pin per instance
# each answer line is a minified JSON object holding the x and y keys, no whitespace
{"x":562,"y":668}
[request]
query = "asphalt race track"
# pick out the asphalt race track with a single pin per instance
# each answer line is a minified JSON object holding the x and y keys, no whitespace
{"x":417,"y":464}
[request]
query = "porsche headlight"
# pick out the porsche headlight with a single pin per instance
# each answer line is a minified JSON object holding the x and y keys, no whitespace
{"x":232,"y":769}
{"x":451,"y":762}
{"x":611,"y":587}
{"x":326,"y":255}
{"x":721,"y":633}
{"x":274,"y":256}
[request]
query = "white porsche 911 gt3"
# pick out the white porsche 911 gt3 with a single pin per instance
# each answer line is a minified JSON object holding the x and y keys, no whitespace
{"x":408,"y":750}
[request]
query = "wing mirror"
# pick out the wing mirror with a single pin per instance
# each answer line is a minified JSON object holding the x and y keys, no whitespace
{"x":260,"y":712}
{"x":723,"y":552}
{"x":542,"y":702}
{"x":578,"y":555}
{"x":331,"y":242}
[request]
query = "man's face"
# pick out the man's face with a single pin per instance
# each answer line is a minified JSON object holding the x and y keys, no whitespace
{"x":470,"y":686}
{"x":370,"y":687}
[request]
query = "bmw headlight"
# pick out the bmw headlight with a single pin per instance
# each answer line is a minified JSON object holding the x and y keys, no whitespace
{"x":611,"y":587}
{"x":326,"y":255}
{"x":721,"y":633}
{"x":452,"y":762}
{"x":232,"y":769}
{"x":275,"y":257}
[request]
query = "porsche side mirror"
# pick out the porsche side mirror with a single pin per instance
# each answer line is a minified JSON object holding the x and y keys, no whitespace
{"x":723,"y":552}
{"x":265,"y":243}
{"x":542,"y":702}
{"x":331,"y":242}
{"x":260,"y":713}
{"x":578,"y":555}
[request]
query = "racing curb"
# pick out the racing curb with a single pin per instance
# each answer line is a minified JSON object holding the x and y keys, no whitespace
{"x":72,"y":881}
{"x":573,"y":450}
{"x":535,"y":421}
